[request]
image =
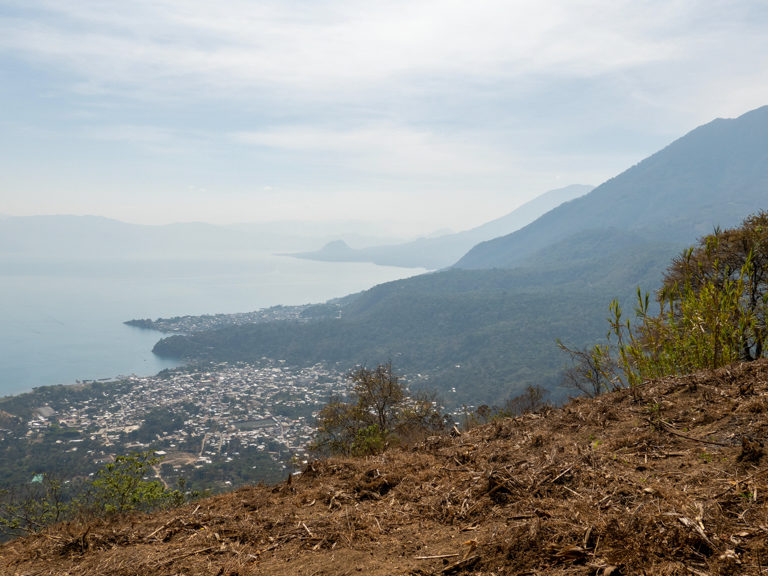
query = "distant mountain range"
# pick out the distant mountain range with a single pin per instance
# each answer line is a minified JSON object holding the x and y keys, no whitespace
{"x":442,"y":251}
{"x":485,"y":329}
{"x":75,"y":237}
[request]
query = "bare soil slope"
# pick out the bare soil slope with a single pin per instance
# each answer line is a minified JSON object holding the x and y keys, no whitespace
{"x":669,"y":480}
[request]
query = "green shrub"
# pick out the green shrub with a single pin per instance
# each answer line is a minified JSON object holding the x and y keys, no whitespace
{"x":124,"y":485}
{"x":33,"y":506}
{"x":713,"y":309}
{"x":368,"y":440}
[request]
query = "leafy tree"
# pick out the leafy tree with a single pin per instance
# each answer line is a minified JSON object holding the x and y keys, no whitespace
{"x":338,"y":424}
{"x":727,"y":260}
{"x":380,"y":411}
{"x":713,"y":308}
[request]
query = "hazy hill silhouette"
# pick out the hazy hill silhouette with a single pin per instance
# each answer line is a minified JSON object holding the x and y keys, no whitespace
{"x":442,"y":251}
{"x":95,"y":237}
{"x":713,"y":176}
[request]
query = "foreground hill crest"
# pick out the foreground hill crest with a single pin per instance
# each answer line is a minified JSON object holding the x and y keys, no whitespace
{"x":669,"y":478}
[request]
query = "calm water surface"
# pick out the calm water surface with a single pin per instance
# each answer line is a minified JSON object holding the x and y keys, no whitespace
{"x":62,"y":321}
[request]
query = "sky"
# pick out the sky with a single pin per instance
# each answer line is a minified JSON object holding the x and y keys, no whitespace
{"x":423,"y":114}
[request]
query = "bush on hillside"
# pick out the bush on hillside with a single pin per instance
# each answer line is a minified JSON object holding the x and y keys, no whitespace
{"x":530,"y":401}
{"x":128,"y":484}
{"x":125,"y":485}
{"x":379,"y":412}
{"x":713,"y":309}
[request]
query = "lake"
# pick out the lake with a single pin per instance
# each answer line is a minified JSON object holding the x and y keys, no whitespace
{"x":62,"y":320}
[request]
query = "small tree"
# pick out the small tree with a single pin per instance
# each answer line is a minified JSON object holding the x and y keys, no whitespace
{"x":532,"y":399}
{"x":123,"y":485}
{"x":592,"y":370}
{"x":419,"y":417}
{"x":338,"y":424}
{"x":378,"y":392}
{"x":726,"y":261}
{"x":379,"y":411}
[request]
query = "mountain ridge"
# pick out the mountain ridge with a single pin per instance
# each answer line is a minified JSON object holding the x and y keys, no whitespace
{"x":721,"y":157}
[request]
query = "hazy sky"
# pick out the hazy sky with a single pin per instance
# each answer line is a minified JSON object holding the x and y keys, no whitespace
{"x":436,"y":113}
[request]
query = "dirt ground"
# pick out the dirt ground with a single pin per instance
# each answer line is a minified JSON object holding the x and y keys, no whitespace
{"x":671,"y":480}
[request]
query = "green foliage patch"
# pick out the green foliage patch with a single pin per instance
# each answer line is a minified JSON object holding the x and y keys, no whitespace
{"x":380,"y":412}
{"x":713,"y":311}
{"x":125,"y":485}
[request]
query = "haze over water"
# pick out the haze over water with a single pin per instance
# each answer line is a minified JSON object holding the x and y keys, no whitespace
{"x":62,"y":321}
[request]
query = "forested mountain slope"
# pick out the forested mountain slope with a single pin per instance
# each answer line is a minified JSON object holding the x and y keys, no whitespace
{"x":475,"y":336}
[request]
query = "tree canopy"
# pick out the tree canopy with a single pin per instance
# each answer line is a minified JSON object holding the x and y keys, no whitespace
{"x":713,"y":309}
{"x":379,"y":411}
{"x":727,"y":258}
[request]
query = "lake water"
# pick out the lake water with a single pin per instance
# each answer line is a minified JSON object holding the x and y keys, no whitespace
{"x":62,"y":321}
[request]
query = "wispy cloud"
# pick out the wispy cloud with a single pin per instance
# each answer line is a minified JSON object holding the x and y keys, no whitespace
{"x":414,"y":98}
{"x":384,"y":149}
{"x":338,"y":46}
{"x":339,"y":51}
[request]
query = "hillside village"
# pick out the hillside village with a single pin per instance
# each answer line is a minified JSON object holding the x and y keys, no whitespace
{"x":190,"y":324}
{"x":202,"y":417}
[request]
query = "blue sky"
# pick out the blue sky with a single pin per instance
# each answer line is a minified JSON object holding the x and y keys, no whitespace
{"x":425,"y":113}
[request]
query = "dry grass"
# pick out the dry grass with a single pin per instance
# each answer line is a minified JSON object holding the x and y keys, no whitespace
{"x":671,"y":480}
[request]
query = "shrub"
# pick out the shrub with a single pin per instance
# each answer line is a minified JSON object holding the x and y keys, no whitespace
{"x":32,"y":506}
{"x":124,"y":485}
{"x":380,"y":411}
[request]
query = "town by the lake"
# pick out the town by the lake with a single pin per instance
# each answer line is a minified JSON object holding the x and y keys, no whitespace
{"x":222,"y":424}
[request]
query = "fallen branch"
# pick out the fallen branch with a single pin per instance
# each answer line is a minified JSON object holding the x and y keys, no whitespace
{"x":696,"y":526}
{"x":163,"y":527}
{"x":437,"y":556}
{"x":186,"y":555}
{"x":563,"y":473}
{"x":460,"y":565}
{"x":668,"y":428}
{"x":739,"y":482}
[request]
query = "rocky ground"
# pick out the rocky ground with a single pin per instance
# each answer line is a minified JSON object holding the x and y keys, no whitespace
{"x":669,"y":479}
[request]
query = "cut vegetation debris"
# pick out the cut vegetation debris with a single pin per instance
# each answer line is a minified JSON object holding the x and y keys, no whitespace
{"x":669,"y":478}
